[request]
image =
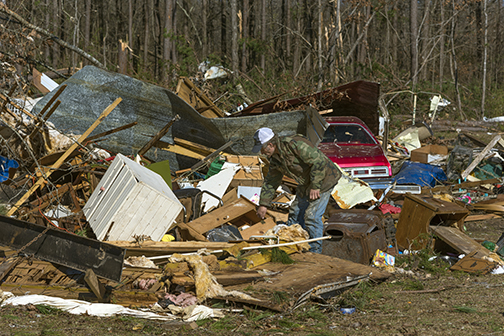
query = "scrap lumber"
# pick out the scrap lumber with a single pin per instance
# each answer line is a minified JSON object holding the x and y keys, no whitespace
{"x":158,"y":136}
{"x":463,"y":185}
{"x":458,"y":240}
{"x":94,"y":284}
{"x":197,"y":99}
{"x":223,"y":278}
{"x":475,"y":262}
{"x":220,"y":216}
{"x":480,"y":157}
{"x":211,"y":156}
{"x":177,"y":149}
{"x":51,"y":101}
{"x":151,"y":248}
{"x":112,"y":131}
{"x":7,"y":265}
{"x":474,"y":218}
{"x":60,"y":161}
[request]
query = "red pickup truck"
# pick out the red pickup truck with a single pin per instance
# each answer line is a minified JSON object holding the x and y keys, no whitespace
{"x":349,"y":143}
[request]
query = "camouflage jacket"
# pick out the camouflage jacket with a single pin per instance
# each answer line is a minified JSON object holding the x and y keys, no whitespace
{"x":300,"y":160}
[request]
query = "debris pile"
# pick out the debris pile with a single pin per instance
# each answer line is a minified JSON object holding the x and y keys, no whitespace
{"x":101,"y":209}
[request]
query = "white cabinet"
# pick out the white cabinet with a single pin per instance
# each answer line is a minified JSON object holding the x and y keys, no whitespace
{"x":131,"y":200}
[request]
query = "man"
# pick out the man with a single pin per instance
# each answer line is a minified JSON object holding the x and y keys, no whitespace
{"x":316,"y":175}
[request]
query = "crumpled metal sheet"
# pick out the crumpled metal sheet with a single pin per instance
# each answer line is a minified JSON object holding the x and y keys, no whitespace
{"x":91,"y":90}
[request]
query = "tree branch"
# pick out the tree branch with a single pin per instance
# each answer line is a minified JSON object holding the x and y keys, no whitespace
{"x":4,"y":9}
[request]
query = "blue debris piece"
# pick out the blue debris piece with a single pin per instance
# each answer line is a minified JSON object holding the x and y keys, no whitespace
{"x":5,"y":165}
{"x":421,"y":174}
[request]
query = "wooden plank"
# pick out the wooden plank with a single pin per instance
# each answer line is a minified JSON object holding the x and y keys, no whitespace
{"x":7,"y":265}
{"x":112,"y":131}
{"x":480,"y":156}
{"x":258,"y":229}
{"x":94,"y":284}
{"x":62,"y":159}
{"x":158,"y":136}
{"x":196,"y":98}
{"x":474,"y":218}
{"x":461,"y":242}
{"x":194,"y":146}
{"x":51,"y":101}
{"x":474,"y":262}
{"x":225,"y":279}
{"x":177,"y":149}
{"x":221,"y":215}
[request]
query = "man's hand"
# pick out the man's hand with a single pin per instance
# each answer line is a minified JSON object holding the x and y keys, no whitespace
{"x":314,"y":194}
{"x":261,"y":211}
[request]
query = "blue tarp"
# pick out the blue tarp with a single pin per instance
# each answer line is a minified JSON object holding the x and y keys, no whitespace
{"x":5,"y":165}
{"x":422,"y":174}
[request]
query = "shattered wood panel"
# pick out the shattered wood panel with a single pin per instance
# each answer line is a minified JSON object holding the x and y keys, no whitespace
{"x":221,"y":216}
{"x":418,"y":213}
{"x":475,"y":262}
{"x":458,"y":240}
{"x":310,"y":270}
{"x":258,"y":229}
{"x":197,"y":99}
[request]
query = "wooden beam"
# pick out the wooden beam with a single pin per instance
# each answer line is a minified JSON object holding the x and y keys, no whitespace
{"x":115,"y":130}
{"x":178,"y":150}
{"x":51,"y":101}
{"x":158,"y":136}
{"x":480,"y":156}
{"x":62,"y":159}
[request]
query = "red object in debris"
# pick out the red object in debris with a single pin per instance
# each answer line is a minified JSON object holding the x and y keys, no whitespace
{"x":386,"y":208}
{"x":351,"y":145}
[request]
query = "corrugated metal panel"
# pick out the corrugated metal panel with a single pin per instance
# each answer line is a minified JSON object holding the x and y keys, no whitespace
{"x":131,"y":200}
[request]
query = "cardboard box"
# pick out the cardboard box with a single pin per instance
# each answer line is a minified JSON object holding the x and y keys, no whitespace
{"x":422,"y":154}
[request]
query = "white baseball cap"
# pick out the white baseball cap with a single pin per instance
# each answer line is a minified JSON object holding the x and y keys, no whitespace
{"x":262,"y":136}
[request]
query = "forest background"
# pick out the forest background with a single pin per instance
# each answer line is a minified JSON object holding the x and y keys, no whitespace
{"x":414,"y":49}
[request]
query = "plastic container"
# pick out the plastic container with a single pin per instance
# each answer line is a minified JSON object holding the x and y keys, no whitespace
{"x":215,"y":167}
{"x":347,"y":310}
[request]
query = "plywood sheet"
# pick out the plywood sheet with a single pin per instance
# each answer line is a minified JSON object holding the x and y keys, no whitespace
{"x":461,"y":242}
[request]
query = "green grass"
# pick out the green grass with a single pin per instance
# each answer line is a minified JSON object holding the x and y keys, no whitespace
{"x":280,"y":297}
{"x":465,"y":309}
{"x":47,"y":310}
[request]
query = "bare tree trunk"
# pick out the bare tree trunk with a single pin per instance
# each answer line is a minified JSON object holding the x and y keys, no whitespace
{"x":297,"y":42}
{"x":167,"y":42}
{"x":130,"y":23}
{"x":498,"y":45}
{"x":425,"y":39}
{"x":319,"y":38}
{"x":204,"y":31}
{"x":454,"y":62}
{"x":414,"y":42}
{"x":395,"y":24}
{"x":234,"y":37}
{"x":223,"y":30}
{"x":47,"y":50}
{"x":56,"y":28}
{"x":76,"y":34}
{"x":263,"y":33}
{"x":442,"y":47}
{"x":288,"y":37}
{"x":146,"y":35}
{"x":174,"y":58}
{"x":245,"y":29}
{"x":87,"y":25}
{"x":485,"y":43}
